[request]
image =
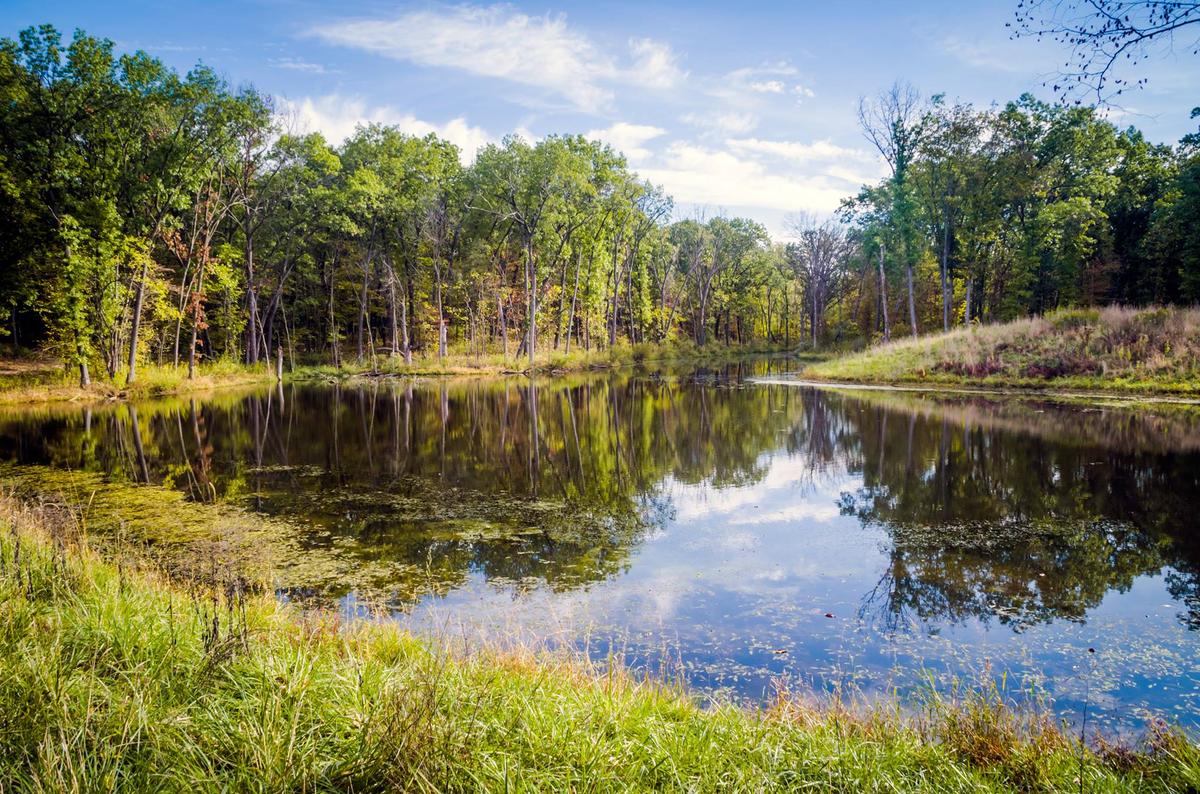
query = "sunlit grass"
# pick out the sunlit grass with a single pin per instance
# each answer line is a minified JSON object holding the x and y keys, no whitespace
{"x":1120,"y":349}
{"x":114,"y":676}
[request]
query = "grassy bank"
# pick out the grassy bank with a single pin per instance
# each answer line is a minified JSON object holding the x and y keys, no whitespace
{"x":115,"y":677}
{"x":45,"y":380}
{"x":1135,"y":351}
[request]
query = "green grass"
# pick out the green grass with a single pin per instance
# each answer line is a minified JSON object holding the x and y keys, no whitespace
{"x":1136,"y":351}
{"x":115,"y":677}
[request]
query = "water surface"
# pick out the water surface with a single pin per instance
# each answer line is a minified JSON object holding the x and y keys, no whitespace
{"x":702,"y":524}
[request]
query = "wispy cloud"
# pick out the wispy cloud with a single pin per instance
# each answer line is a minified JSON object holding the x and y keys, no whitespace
{"x":726,"y":123}
{"x":299,"y":65}
{"x":336,"y":116}
{"x":981,"y":56}
{"x":752,"y":86}
{"x":541,"y":52}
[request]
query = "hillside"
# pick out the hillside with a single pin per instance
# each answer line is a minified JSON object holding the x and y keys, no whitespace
{"x":1151,"y":350}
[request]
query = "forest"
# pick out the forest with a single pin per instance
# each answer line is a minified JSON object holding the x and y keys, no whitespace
{"x":174,"y":219}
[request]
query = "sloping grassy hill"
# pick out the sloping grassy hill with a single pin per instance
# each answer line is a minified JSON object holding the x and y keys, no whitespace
{"x":1130,"y":350}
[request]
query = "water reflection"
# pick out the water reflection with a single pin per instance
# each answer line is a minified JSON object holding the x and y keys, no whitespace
{"x":723,"y":518}
{"x":1024,"y":527}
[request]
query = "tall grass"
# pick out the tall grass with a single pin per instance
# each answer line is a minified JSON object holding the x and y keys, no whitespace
{"x":114,"y":677}
{"x":1116,"y":348}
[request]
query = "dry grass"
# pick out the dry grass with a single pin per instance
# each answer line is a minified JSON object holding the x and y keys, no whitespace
{"x":1153,"y":350}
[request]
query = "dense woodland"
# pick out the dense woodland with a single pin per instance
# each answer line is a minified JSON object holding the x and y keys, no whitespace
{"x":150,"y":216}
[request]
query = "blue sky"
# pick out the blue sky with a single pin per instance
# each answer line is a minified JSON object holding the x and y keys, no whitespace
{"x":744,"y":108}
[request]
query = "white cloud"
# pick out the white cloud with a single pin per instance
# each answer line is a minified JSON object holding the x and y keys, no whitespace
{"x":654,"y":64}
{"x":726,"y":123}
{"x":697,"y":174}
{"x":336,"y":116}
{"x":801,"y":152}
{"x":768,"y":87}
{"x":498,"y":41}
{"x":298,"y":65}
{"x":630,"y":139}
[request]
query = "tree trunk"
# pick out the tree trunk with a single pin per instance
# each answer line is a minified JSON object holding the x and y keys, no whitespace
{"x":195,"y":323}
{"x":814,"y":319}
{"x":252,"y":330}
{"x":179,"y":320}
{"x":333,"y":330}
{"x":503,"y":323}
{"x":441,"y":314}
{"x":562,"y":304}
{"x":405,"y":342}
{"x":912,"y":304}
{"x":393,"y":327}
{"x":571,"y":314}
{"x":946,"y":274}
{"x":131,"y":375}
{"x":85,"y":377}
{"x":883,"y":298}
{"x":531,"y":300}
{"x":362,"y":308}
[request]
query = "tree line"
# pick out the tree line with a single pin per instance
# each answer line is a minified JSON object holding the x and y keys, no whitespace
{"x":152,"y":216}
{"x":997,"y":213}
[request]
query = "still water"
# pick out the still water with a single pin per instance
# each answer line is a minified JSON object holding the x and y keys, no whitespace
{"x":716,"y":525}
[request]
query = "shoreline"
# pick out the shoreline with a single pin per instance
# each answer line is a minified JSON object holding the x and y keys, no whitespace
{"x":168,"y":381}
{"x":1048,"y":392}
{"x":187,"y":661}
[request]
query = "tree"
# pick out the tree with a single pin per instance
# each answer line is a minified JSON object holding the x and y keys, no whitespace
{"x":1100,"y":34}
{"x":892,"y":123}
{"x":819,"y":260}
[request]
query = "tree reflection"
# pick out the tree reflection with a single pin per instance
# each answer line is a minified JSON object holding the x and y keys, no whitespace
{"x":534,"y":483}
{"x":990,"y":520}
{"x":1018,"y":512}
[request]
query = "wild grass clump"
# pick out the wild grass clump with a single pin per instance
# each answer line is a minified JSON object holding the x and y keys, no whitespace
{"x":112,"y":677}
{"x":1116,"y":348}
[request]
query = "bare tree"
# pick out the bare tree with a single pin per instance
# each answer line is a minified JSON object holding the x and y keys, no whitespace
{"x":818,"y":259}
{"x":892,"y":123}
{"x":1100,"y":34}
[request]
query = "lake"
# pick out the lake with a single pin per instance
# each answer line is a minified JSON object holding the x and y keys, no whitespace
{"x":722,"y":526}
